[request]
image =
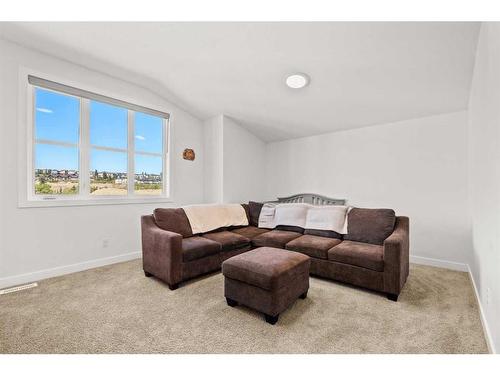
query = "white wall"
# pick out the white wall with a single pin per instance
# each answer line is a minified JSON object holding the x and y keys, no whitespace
{"x":484,"y":169}
{"x":417,"y":167}
{"x":213,"y":162}
{"x":34,"y":241}
{"x":244,"y":164}
{"x":234,"y":162}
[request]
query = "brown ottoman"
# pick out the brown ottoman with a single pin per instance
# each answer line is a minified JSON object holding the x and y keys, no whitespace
{"x":266,"y":279}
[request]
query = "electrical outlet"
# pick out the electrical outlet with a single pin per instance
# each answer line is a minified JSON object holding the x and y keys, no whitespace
{"x":105,"y":243}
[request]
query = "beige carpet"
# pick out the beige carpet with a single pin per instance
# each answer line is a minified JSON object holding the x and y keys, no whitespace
{"x":115,"y":309}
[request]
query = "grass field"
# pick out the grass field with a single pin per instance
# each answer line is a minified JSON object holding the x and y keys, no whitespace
{"x":96,"y":188}
{"x":57,"y":188}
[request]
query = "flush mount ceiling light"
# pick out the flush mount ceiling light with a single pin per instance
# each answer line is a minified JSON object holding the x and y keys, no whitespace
{"x":297,"y":80}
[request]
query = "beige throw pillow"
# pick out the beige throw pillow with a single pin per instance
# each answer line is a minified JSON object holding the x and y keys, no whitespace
{"x":327,"y":218}
{"x":291,"y":214}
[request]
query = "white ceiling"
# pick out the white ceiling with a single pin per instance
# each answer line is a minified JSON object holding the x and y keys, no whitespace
{"x":361,"y":73}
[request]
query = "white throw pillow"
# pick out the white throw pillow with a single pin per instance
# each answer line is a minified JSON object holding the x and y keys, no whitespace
{"x":266,"y":217}
{"x":292,"y":214}
{"x":327,"y":218}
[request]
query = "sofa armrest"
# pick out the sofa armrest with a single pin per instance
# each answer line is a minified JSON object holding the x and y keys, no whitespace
{"x":397,"y":256}
{"x":161,"y":251}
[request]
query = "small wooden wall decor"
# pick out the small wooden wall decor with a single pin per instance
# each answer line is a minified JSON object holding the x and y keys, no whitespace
{"x":188,"y":154}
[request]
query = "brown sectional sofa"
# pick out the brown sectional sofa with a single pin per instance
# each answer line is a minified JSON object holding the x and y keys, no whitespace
{"x":374,"y":254}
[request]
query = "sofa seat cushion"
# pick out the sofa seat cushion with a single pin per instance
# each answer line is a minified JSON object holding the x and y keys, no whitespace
{"x":228,"y":240}
{"x":250,"y":231}
{"x":266,"y":267}
{"x":314,"y":246}
{"x":358,"y":254}
{"x":198,"y":247}
{"x":275,"y":238}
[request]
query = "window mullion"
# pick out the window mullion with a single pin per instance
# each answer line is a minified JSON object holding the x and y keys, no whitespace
{"x":31,"y":142}
{"x":85,"y":149}
{"x":166,"y":158}
{"x":149,"y":153}
{"x":131,"y":156}
{"x":114,"y":149}
{"x":58,"y":143}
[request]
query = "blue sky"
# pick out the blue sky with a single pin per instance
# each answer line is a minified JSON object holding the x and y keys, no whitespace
{"x":57,"y":119}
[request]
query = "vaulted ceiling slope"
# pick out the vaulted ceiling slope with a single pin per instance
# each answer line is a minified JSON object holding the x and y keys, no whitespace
{"x":362,"y":74}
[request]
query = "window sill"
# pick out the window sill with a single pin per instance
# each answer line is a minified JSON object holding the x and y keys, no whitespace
{"x":92,"y":202}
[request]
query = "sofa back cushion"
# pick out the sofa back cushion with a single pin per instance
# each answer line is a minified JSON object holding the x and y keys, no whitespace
{"x":370,"y":225}
{"x":290,"y":228}
{"x":173,"y":220}
{"x":247,"y":212}
{"x":254,"y":209}
{"x":323,"y":233}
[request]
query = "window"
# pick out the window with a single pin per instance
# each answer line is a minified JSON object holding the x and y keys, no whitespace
{"x":88,"y":147}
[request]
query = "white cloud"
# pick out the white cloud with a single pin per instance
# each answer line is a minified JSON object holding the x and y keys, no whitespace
{"x":44,"y":110}
{"x":140,"y":137}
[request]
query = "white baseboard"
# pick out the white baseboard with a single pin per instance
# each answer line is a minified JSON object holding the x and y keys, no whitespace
{"x":484,"y":322}
{"x":63,"y":270}
{"x":439,"y":263}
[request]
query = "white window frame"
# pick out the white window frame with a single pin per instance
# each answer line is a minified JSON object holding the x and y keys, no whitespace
{"x":28,"y":198}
